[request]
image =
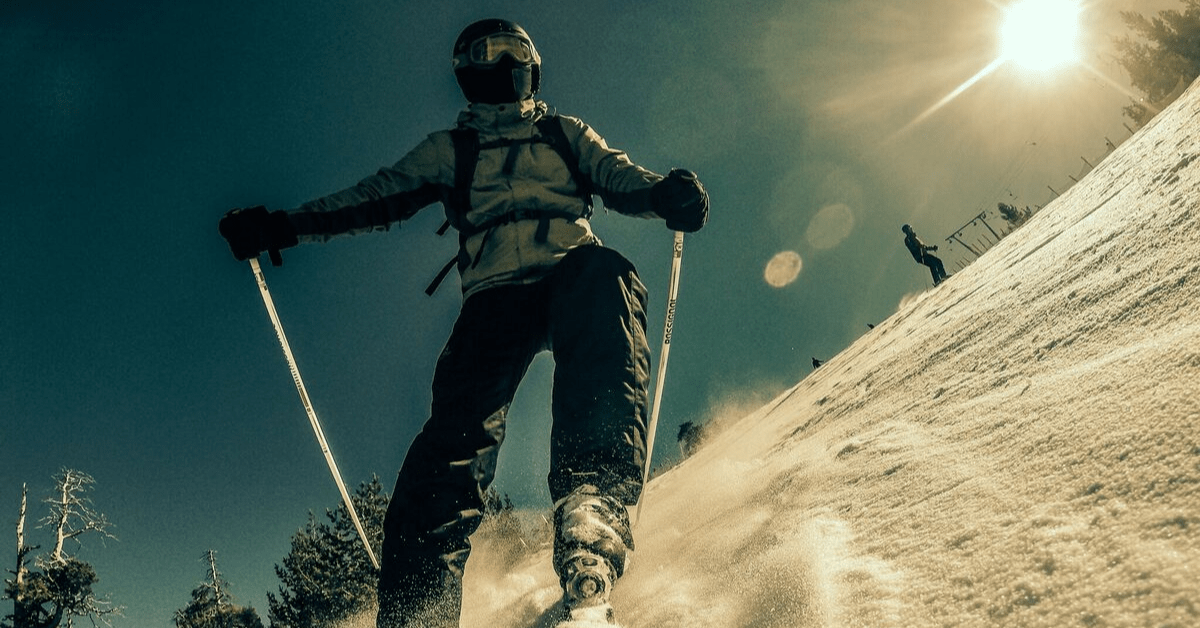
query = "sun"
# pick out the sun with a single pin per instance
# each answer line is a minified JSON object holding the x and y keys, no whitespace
{"x":1041,"y":34}
{"x":1037,"y":35}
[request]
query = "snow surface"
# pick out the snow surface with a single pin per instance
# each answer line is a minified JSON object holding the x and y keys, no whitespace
{"x":1018,"y":447}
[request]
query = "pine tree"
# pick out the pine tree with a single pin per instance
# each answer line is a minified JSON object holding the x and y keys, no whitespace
{"x":691,"y":436}
{"x":212,"y":605}
{"x":1014,"y":216}
{"x":328,"y":577}
{"x":1165,"y":54}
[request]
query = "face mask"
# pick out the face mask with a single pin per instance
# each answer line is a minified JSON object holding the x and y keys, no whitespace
{"x":504,"y":82}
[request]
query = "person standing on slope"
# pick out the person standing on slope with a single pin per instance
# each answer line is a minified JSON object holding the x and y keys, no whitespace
{"x":921,"y":253}
{"x":516,"y":183}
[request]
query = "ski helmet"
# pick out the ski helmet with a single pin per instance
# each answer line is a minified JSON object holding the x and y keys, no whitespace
{"x":906,"y":228}
{"x":495,"y":62}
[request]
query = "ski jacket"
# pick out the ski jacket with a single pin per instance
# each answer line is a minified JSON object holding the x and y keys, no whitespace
{"x":916,"y":247}
{"x":524,"y":213}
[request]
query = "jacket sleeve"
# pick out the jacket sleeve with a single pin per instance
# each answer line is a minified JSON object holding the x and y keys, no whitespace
{"x":623,"y":185}
{"x":391,"y":195}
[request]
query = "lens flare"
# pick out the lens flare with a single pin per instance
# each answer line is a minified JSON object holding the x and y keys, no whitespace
{"x":783,"y":269}
{"x":830,"y":226}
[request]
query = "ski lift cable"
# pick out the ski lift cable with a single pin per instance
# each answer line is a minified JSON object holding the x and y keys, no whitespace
{"x":1017,"y":165}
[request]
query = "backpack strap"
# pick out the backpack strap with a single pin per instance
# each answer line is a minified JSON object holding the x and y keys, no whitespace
{"x":553,"y":134}
{"x":466,"y":156}
{"x":458,"y":201}
{"x":441,"y":276}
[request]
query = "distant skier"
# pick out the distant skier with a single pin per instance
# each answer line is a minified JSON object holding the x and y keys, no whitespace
{"x":817,"y":363}
{"x":516,"y":183}
{"x":921,"y":253}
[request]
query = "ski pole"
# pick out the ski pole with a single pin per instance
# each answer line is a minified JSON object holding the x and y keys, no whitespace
{"x":312,"y":414}
{"x":672,"y":295}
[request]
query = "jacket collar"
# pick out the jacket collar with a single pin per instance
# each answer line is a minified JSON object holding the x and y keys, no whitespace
{"x":502,"y":118}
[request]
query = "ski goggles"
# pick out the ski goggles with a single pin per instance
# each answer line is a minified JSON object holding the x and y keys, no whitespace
{"x":488,"y":50}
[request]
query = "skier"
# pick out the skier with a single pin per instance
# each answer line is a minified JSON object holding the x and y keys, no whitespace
{"x":920,"y":252}
{"x":516,"y":183}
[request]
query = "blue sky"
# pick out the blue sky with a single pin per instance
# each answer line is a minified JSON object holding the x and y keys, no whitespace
{"x":137,"y":350}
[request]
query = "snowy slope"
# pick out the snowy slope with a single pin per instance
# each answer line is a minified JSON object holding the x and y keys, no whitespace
{"x":1018,"y":447}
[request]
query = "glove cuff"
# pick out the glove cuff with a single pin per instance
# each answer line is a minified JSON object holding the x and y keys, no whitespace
{"x":281,"y":234}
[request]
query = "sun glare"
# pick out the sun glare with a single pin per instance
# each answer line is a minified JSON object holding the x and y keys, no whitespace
{"x":1037,"y":35}
{"x":1041,"y":34}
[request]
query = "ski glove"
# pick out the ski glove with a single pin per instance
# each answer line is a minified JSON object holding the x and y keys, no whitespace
{"x":681,"y":200}
{"x":253,"y":230}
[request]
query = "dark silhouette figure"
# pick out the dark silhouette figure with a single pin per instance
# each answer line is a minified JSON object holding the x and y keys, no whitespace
{"x":921,"y":253}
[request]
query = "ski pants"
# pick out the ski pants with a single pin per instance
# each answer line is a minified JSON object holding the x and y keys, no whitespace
{"x":590,"y":313}
{"x":935,"y":267}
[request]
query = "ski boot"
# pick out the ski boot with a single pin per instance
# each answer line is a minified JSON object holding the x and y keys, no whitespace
{"x":591,"y":542}
{"x":587,"y":581}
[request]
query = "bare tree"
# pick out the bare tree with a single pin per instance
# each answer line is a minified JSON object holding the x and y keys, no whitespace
{"x":26,"y":612}
{"x":212,"y":605}
{"x":60,"y":588}
{"x":215,"y":583}
{"x":71,"y":514}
